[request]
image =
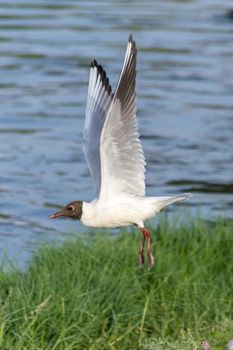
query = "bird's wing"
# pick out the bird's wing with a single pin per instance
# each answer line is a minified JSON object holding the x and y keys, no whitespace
{"x":99,"y":98}
{"x":121,"y":153}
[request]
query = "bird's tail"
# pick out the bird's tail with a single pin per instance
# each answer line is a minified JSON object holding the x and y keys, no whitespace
{"x":161,"y":202}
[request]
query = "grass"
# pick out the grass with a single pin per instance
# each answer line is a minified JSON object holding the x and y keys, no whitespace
{"x":90,"y":293}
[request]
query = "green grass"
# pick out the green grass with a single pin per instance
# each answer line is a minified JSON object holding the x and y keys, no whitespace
{"x":90,"y":293}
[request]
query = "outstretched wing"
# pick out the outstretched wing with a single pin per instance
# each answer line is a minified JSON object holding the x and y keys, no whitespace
{"x":98,"y":102}
{"x":121,"y":153}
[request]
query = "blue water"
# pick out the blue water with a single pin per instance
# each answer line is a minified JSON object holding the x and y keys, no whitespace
{"x":185,"y":105}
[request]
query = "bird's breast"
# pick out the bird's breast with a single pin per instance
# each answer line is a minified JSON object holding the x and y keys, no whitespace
{"x":122,"y":211}
{"x":100,"y":215}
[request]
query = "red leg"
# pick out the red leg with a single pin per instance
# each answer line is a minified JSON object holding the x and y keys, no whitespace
{"x":141,"y":251}
{"x":146,"y":234}
{"x":149,"y":255}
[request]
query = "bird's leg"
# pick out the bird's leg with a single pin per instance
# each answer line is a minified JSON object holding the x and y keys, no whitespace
{"x":141,"y":250}
{"x":149,"y":255}
{"x":146,"y":235}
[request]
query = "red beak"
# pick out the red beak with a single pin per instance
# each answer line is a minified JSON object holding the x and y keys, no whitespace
{"x":56,"y":215}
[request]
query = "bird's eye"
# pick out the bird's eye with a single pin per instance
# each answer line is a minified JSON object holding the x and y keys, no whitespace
{"x":71,"y":207}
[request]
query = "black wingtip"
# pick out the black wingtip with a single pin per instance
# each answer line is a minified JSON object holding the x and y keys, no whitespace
{"x":130,"y":38}
{"x":132,"y":42}
{"x":109,"y":89}
{"x":94,"y":64}
{"x":100,"y":69}
{"x":103,"y":76}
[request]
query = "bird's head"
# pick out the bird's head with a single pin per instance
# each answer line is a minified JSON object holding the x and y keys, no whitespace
{"x":72,"y":210}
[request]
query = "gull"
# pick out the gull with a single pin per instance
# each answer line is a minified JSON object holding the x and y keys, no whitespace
{"x":115,"y":157}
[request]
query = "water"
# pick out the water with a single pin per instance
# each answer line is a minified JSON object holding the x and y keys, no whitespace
{"x":185,"y":105}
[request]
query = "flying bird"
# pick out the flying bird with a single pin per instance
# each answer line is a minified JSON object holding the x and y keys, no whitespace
{"x":115,"y":157}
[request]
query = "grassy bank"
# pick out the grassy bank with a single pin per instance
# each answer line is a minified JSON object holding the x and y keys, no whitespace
{"x":90,"y":294}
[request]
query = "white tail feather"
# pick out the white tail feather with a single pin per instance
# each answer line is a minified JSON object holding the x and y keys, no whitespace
{"x":161,"y":202}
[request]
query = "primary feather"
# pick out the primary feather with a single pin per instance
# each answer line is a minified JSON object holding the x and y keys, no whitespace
{"x":99,"y":98}
{"x":121,"y":153}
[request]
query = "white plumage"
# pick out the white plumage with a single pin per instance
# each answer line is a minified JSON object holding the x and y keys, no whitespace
{"x":114,"y":153}
{"x":115,"y":156}
{"x":125,"y":210}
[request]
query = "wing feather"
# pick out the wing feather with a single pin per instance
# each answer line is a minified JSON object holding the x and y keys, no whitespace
{"x":121,"y":153}
{"x":99,"y":98}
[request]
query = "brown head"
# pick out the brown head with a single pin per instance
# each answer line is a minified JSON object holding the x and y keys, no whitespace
{"x":72,"y":210}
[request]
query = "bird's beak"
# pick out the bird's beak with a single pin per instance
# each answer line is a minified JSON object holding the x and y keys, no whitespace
{"x":56,"y":215}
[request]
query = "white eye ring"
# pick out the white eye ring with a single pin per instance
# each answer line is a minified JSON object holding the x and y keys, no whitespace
{"x":71,"y":207}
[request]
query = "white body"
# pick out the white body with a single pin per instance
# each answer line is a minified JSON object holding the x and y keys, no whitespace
{"x":124,"y":210}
